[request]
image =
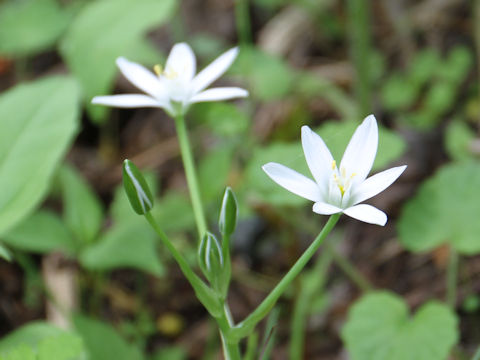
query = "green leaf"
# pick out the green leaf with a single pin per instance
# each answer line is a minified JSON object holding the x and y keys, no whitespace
{"x":30,"y":335}
{"x":102,"y":342}
{"x":28,"y":27}
{"x":174,"y":212}
{"x":41,"y":232}
{"x":103,"y":31}
{"x":424,"y":66}
{"x":130,"y":245}
{"x":213,"y":172}
{"x":260,"y":187}
{"x":82,"y":210}
{"x":39,"y":120}
{"x":5,"y":253}
{"x":62,"y":347}
{"x":458,"y":140}
{"x":444,"y":211}
{"x":223,"y":119}
{"x":270,"y":78}
{"x":379,"y":328}
{"x":170,"y":353}
{"x":398,"y":93}
{"x":22,"y":352}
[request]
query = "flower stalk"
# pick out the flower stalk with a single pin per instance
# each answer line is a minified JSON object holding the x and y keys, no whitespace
{"x":191,"y":175}
{"x":245,"y":327}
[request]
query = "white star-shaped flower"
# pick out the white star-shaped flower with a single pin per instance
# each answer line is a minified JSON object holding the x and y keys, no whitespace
{"x":339,"y":189}
{"x":175,"y":87}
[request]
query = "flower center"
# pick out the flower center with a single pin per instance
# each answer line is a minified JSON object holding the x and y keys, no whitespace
{"x":341,"y":178}
{"x":168,"y":73}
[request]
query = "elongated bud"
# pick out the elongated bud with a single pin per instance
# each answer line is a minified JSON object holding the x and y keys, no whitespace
{"x":228,"y":213}
{"x":136,"y":188}
{"x":210,"y":254}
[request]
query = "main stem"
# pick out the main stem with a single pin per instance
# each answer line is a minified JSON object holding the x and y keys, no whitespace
{"x":452,"y":271}
{"x":245,"y":327}
{"x":190,"y":173}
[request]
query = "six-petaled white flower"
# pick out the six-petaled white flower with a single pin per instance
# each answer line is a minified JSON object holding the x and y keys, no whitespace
{"x":176,"y":86}
{"x":339,"y":189}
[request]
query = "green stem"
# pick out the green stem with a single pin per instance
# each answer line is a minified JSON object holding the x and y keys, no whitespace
{"x":350,"y":270}
{"x":204,"y":293}
{"x":231,"y":351}
{"x":317,"y":276}
{"x":476,"y":356}
{"x":359,"y":19}
{"x":244,"y":328}
{"x":242,"y":20}
{"x":452,"y":271}
{"x":192,"y":181}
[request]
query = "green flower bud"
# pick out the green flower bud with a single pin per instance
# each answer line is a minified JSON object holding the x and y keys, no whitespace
{"x":136,"y":188}
{"x":228,"y":213}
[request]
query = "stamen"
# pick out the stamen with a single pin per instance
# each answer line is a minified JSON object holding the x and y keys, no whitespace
{"x":334,"y":164}
{"x":157,"y":69}
{"x":170,"y":73}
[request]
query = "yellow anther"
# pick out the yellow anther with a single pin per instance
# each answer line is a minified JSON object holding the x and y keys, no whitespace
{"x":170,"y":73}
{"x":334,"y":164}
{"x":158,"y":69}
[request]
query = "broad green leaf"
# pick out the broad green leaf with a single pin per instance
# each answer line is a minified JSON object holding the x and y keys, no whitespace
{"x":5,"y":253}
{"x":62,"y":347}
{"x":444,"y":211}
{"x":223,"y":119}
{"x":398,"y":93}
{"x":30,"y":335}
{"x":38,"y":121}
{"x":30,"y":26}
{"x":458,"y":140}
{"x":41,"y":232}
{"x":22,"y":352}
{"x":270,"y":78}
{"x":103,"y":31}
{"x":260,"y":187}
{"x":424,"y":66}
{"x":379,"y":327}
{"x":170,"y":353}
{"x":174,"y":212}
{"x":82,"y":210}
{"x":129,"y":245}
{"x":213,"y":172}
{"x":102,"y":342}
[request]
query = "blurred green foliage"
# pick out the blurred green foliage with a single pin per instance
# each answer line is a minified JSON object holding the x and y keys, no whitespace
{"x":444,"y":211}
{"x":379,"y":327}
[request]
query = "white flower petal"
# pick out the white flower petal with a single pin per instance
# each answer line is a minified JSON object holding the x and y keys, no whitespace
{"x":376,"y":184}
{"x":293,"y":181}
{"x":361,"y":150}
{"x":214,"y":70}
{"x":367,"y":213}
{"x":319,"y":158}
{"x":325,"y":209}
{"x":127,"y":101}
{"x":215,"y":94}
{"x":181,"y":62}
{"x":141,"y":78}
